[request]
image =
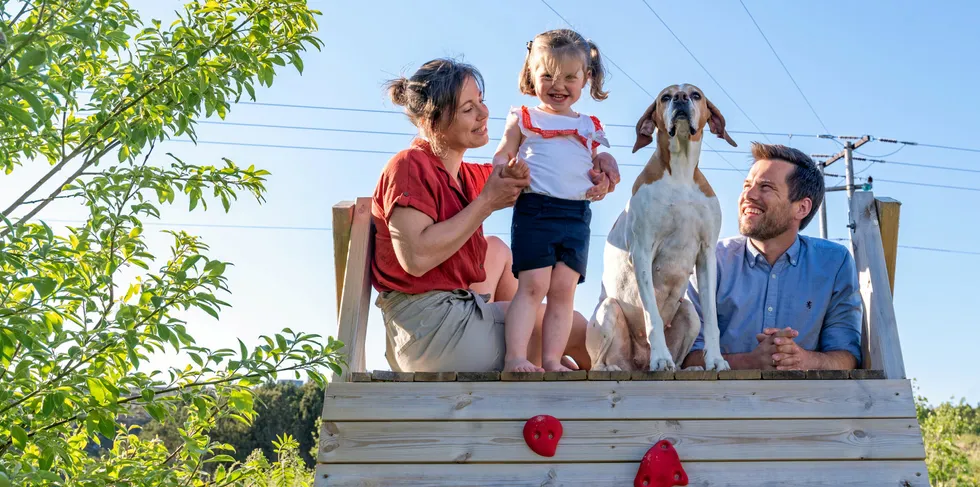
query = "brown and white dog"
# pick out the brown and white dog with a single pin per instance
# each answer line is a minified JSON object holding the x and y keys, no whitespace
{"x":669,"y":228}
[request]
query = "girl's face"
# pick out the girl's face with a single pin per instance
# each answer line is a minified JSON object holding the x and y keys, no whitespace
{"x":558,"y":82}
{"x":469,"y":127}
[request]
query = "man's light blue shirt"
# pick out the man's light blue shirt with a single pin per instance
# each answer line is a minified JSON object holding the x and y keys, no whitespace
{"x":812,"y":288}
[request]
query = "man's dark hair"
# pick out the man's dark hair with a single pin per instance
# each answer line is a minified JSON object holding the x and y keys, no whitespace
{"x":806,"y":180}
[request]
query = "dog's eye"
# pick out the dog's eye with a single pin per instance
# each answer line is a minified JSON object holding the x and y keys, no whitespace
{"x":665,"y":98}
{"x":695,"y":96}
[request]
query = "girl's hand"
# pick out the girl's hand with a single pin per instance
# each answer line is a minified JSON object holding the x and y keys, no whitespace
{"x":502,"y":191}
{"x":515,"y":169}
{"x":601,"y":188}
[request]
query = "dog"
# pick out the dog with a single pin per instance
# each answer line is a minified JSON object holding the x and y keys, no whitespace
{"x":668,"y":229}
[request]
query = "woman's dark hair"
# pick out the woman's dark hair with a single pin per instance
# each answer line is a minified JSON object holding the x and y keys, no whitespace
{"x":430,"y":96}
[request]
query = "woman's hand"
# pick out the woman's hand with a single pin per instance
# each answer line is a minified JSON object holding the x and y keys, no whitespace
{"x":505,"y":184}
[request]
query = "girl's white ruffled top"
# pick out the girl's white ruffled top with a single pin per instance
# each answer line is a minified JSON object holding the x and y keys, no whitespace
{"x":558,"y":150}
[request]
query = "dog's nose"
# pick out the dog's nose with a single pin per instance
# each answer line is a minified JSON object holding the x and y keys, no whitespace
{"x":681,"y":97}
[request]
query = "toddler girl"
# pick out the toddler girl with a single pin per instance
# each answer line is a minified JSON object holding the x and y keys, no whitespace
{"x":550,"y":227}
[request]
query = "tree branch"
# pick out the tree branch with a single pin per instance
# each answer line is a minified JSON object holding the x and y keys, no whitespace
{"x":61,"y":187}
{"x":121,"y":109}
{"x":37,"y":28}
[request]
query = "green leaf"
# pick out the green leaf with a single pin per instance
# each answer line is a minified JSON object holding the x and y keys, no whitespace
{"x":45,"y":286}
{"x":209,"y":310}
{"x":31,"y":100}
{"x":148,"y":394}
{"x":220,"y":458}
{"x":19,"y":114}
{"x":241,"y":401}
{"x":281,"y":341}
{"x":156,"y":411}
{"x":19,"y":435}
{"x":97,"y":390}
{"x":30,"y":59}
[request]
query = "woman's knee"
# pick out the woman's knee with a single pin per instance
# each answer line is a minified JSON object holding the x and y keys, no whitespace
{"x":498,"y":253}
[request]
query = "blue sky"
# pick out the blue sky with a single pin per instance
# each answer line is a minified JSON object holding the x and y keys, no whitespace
{"x":893,"y":69}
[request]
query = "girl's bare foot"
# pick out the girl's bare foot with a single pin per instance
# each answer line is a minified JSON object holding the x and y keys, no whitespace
{"x":521,"y":365}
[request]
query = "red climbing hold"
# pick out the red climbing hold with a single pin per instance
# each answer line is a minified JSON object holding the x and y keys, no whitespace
{"x":660,"y":467}
{"x":541,"y":433}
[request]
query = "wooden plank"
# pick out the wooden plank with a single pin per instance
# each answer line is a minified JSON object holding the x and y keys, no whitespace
{"x":360,"y":377}
{"x":652,"y":375}
{"x":622,"y":441}
{"x":866,"y":374}
{"x":435,"y":376}
{"x":753,"y":374}
{"x":573,"y":375}
{"x":653,"y":400}
{"x":356,"y":290}
{"x":604,"y":375}
{"x":888,"y":213}
{"x":389,"y":376}
{"x":522,"y":376}
{"x":702,"y":474}
{"x":478,"y":376}
{"x":827,"y":374}
{"x":343,"y":214}
{"x":882,"y":348}
{"x":783,"y":374}
{"x":696,"y":375}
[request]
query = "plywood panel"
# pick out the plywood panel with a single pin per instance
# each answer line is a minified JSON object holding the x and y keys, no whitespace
{"x":704,"y":474}
{"x":654,"y":400}
{"x":622,"y":441}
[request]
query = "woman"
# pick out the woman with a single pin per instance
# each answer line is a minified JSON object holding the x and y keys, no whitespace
{"x":444,"y":288}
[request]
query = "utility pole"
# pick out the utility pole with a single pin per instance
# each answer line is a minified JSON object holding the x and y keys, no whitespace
{"x":848,"y":155}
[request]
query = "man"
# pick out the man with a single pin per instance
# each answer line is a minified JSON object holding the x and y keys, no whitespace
{"x":785,"y":301}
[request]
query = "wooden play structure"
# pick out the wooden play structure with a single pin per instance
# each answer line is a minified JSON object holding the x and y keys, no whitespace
{"x":735,"y":428}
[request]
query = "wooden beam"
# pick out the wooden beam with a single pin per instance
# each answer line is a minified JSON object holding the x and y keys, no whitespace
{"x":881,"y":346}
{"x":639,"y":400}
{"x":623,"y":441}
{"x":888,"y":213}
{"x":356,"y":295}
{"x":703,"y":474}
{"x":343,"y":213}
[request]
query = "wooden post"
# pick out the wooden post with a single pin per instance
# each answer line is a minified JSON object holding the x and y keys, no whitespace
{"x":888,"y":212}
{"x":880,"y":342}
{"x":356,"y":289}
{"x":343,"y":212}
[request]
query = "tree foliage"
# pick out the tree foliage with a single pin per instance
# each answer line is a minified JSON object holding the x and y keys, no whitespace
{"x":950,"y":432}
{"x":280,"y":409}
{"x":89,"y":88}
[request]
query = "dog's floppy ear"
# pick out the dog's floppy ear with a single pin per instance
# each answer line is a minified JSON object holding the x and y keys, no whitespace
{"x":645,"y":127}
{"x":716,"y":123}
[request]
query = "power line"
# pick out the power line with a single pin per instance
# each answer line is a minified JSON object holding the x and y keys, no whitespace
{"x":807,"y":100}
{"x":930,"y":249}
{"x":370,"y":151}
{"x":912,"y":164}
{"x":930,"y":185}
{"x":704,"y":68}
{"x":408,"y":134}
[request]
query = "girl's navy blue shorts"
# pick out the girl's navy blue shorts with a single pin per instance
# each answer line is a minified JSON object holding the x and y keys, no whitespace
{"x":547,"y":230}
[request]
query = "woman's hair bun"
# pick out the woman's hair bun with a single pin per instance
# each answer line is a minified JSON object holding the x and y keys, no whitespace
{"x":397,"y":91}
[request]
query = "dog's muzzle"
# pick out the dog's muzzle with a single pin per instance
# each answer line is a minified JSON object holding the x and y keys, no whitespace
{"x":678,"y":115}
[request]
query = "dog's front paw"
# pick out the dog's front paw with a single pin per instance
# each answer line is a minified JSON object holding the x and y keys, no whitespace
{"x":715,"y":362}
{"x":662,"y":361}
